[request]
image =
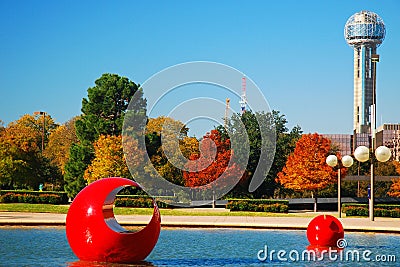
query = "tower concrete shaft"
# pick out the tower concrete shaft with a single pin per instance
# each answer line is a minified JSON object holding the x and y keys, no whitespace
{"x":364,"y":87}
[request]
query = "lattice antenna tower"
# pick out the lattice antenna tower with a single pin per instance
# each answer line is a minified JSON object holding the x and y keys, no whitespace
{"x":227,"y":106}
{"x":243,"y":99}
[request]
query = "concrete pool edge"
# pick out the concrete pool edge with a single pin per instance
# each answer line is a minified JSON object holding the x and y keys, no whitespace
{"x":380,"y":225}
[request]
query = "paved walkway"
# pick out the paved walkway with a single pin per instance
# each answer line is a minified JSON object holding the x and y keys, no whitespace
{"x":350,"y":224}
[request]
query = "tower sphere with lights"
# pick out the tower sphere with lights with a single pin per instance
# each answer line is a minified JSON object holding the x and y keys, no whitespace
{"x":364,"y":28}
{"x":364,"y":32}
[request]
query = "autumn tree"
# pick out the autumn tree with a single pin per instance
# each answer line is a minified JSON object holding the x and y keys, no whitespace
{"x":166,"y":142}
{"x":109,"y":159}
{"x":103,"y":113}
{"x":60,"y":142}
{"x":285,"y":144}
{"x":1,"y":126}
{"x":187,"y":146}
{"x":215,"y":156}
{"x":212,"y":162}
{"x":164,"y":124}
{"x":162,"y":133}
{"x":22,"y":164}
{"x":395,"y":187}
{"x":30,"y":128}
{"x":306,"y":169}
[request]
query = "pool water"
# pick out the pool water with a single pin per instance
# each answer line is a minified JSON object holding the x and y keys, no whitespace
{"x":47,"y":246}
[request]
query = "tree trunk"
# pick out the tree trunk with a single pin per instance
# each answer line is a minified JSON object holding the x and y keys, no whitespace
{"x":213,"y":200}
{"x":314,"y":195}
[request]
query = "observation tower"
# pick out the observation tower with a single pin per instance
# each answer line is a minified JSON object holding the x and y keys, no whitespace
{"x":364,"y":32}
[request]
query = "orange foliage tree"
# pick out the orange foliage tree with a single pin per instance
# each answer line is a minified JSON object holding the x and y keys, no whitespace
{"x":211,"y":163}
{"x":60,"y":142}
{"x":395,"y":187}
{"x":306,"y":168}
{"x":188,"y":146}
{"x":166,"y":136}
{"x":156,"y":125}
{"x":22,"y":164}
{"x":109,"y":159}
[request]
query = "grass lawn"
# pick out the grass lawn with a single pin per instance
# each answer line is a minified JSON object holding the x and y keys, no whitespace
{"x":196,"y":212}
{"x":25,"y":207}
{"x":47,"y":208}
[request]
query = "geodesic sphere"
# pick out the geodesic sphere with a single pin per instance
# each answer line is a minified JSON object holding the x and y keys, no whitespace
{"x":364,"y":27}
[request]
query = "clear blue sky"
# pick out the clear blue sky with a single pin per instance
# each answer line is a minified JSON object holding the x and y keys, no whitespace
{"x":52,"y":51}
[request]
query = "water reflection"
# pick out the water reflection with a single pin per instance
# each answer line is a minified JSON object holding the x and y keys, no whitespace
{"x":106,"y":264}
{"x":46,"y":246}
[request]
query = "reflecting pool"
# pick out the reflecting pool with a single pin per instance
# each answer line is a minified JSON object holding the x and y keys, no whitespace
{"x":47,"y":246}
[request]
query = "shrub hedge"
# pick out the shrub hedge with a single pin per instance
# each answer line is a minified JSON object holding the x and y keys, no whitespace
{"x":260,"y":205}
{"x":137,"y":201}
{"x":263,"y":205}
{"x":380,"y":210}
{"x":50,"y":197}
{"x":32,"y":198}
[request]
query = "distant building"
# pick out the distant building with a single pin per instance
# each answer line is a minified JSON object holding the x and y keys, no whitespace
{"x":386,"y":135}
{"x":344,"y":142}
{"x":361,"y":139}
{"x":389,"y":135}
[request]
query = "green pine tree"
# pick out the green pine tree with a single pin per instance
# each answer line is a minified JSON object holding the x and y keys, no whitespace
{"x":102,"y":113}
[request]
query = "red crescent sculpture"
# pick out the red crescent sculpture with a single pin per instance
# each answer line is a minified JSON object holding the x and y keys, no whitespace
{"x":95,"y":235}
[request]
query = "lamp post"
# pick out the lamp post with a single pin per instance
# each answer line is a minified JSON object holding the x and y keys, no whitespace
{"x":44,"y":125}
{"x":382,"y":154}
{"x":346,"y":161}
{"x":374,"y":60}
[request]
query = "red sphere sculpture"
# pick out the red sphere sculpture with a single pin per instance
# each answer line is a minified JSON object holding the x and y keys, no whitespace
{"x":95,"y":235}
{"x":324,"y":231}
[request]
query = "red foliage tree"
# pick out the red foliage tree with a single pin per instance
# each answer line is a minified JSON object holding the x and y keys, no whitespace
{"x":211,"y":163}
{"x":306,"y":168}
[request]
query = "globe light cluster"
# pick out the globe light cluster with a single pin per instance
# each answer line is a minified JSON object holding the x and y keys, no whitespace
{"x":361,"y":154}
{"x":382,"y":153}
{"x":332,"y":161}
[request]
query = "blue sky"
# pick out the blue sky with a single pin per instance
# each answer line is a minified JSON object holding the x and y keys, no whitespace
{"x":52,"y":51}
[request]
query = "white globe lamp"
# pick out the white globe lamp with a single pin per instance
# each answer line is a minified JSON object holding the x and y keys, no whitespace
{"x":332,"y":160}
{"x":383,"y":153}
{"x":361,"y":153}
{"x":347,"y":161}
